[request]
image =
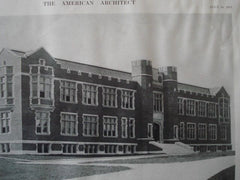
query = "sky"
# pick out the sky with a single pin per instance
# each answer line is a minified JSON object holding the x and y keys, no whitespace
{"x":199,"y":45}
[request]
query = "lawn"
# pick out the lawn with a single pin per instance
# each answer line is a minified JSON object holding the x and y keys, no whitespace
{"x":9,"y":170}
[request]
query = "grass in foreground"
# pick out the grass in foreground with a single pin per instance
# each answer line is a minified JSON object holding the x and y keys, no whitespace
{"x":9,"y":170}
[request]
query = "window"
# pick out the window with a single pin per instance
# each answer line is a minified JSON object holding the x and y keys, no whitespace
{"x":175,"y":131}
{"x":132,"y":128}
{"x":109,"y":149}
{"x":109,"y":97}
{"x":223,"y":132}
{"x":90,"y":94}
{"x":124,"y":127}
{"x":150,"y":130}
{"x":45,"y":87}
{"x":128,"y":99}
{"x":43,"y":148}
{"x":202,"y":109}
{"x":191,"y":131}
{"x":182,"y":131}
{"x":41,"y":87}
{"x":157,"y":102}
{"x":202,"y":131}
{"x":212,"y":110}
{"x":91,"y":148}
{"x":110,"y":126}
{"x":190,"y":107}
{"x":2,"y":87}
{"x":69,"y":123}
{"x":42,"y":122}
{"x":181,"y":106}
{"x":5,"y":122}
{"x":90,"y":125}
{"x":42,"y":62}
{"x":212,"y":128}
{"x":224,"y":109}
{"x":4,"y":148}
{"x":6,"y":89}
{"x":69,"y":148}
{"x":68,"y":91}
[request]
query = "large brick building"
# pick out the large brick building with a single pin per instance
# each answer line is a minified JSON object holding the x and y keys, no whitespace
{"x":55,"y":106}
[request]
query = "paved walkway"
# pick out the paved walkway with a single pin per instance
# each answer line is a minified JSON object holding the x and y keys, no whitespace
{"x":194,"y":170}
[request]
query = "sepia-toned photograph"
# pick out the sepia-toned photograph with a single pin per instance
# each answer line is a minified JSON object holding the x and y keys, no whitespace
{"x":117,"y":96}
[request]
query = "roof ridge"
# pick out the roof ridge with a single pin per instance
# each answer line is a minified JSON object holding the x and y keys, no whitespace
{"x":194,"y":85}
{"x":59,"y":59}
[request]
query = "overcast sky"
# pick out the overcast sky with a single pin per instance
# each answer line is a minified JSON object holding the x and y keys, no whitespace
{"x":199,"y":45}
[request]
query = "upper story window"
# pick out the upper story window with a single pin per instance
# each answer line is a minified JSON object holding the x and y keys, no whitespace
{"x":90,"y":94}
{"x":191,"y":131}
{"x":157,"y":102}
{"x":42,"y":86}
{"x":45,"y":87}
{"x":5,"y":122}
{"x":224,"y":109}
{"x":212,"y":110}
{"x":68,"y":91}
{"x":2,"y":87}
{"x":128,"y":99}
{"x":202,"y":131}
{"x":42,"y":122}
{"x":90,"y":125}
{"x":69,"y":124}
{"x":132,"y":128}
{"x":124,"y":127}
{"x":190,"y":107}
{"x":181,"y":106}
{"x":202,"y":109}
{"x":212,"y":131}
{"x":110,"y":126}
{"x":109,"y":97}
{"x":6,"y":88}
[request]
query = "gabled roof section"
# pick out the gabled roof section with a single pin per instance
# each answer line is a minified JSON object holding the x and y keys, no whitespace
{"x":75,"y":66}
{"x":18,"y":53}
{"x":215,"y":90}
{"x":192,"y":88}
{"x":221,"y":91}
{"x":31,"y":53}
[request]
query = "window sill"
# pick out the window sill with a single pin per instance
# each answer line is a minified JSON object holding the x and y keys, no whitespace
{"x":73,"y":135}
{"x":110,"y":136}
{"x":128,"y":108}
{"x":89,"y":104}
{"x":105,"y":106}
{"x":43,"y":134}
{"x":90,"y":135}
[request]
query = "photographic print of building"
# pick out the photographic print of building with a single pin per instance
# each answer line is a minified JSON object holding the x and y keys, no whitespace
{"x":55,"y":106}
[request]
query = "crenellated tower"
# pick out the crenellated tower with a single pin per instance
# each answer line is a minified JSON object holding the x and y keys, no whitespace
{"x":170,"y":86}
